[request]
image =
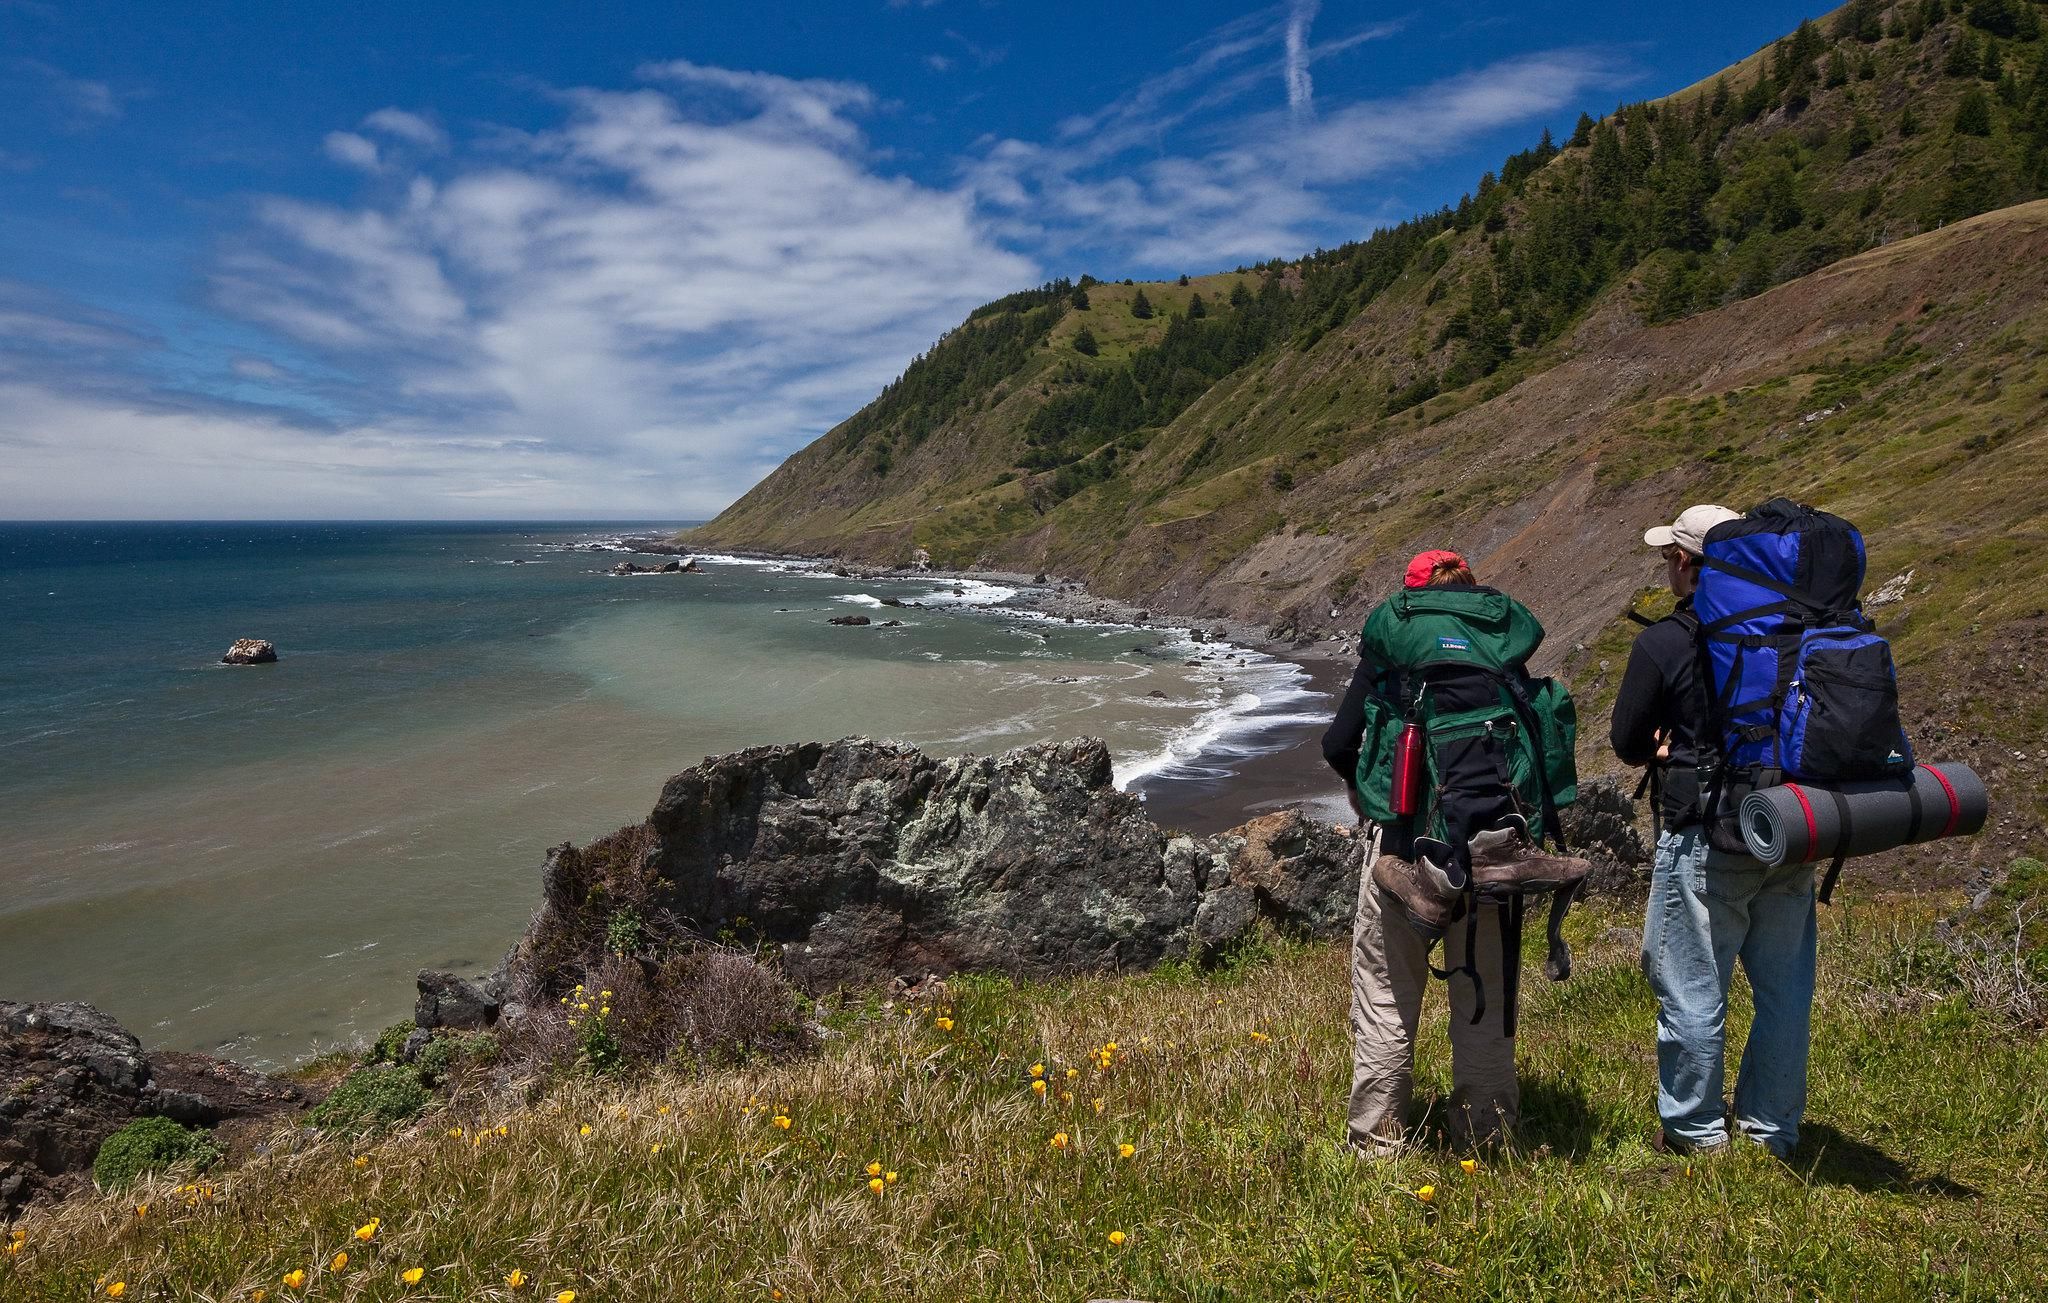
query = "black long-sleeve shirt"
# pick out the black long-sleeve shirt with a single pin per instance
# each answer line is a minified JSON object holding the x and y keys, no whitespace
{"x":1662,"y":693}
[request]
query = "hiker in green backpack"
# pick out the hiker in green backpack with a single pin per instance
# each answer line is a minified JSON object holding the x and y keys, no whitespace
{"x":1459,"y":762}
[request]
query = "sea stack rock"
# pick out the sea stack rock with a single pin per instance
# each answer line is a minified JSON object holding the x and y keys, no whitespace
{"x":850,"y":619}
{"x":250,"y":651}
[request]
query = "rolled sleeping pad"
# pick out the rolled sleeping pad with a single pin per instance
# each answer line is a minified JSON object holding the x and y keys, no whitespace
{"x":1799,"y":822}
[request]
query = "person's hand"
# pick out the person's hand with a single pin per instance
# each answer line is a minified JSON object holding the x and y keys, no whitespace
{"x":1663,"y":744}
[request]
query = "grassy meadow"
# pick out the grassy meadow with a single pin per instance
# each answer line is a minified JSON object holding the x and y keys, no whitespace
{"x":1923,"y":1173}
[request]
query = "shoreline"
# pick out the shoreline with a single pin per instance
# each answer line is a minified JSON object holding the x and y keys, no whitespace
{"x":1266,"y":765}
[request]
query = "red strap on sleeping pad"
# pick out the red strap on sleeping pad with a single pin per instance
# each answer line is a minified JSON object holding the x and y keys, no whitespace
{"x":1812,"y":829}
{"x":1955,"y":806}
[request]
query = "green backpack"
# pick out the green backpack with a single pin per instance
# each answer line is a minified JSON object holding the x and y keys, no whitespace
{"x":1421,"y":632}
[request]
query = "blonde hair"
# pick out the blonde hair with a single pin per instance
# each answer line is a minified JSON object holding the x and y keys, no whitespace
{"x":1449,"y":572}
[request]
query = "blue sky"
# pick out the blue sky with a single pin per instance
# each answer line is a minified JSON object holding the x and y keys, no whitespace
{"x":469,"y":259}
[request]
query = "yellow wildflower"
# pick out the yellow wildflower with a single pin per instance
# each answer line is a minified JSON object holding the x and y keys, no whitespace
{"x":1059,"y":1140}
{"x":1126,"y":1149}
{"x":117,"y":1289}
{"x":874,"y":1169}
{"x":876,"y":1184}
{"x":1098,"y":1102}
{"x":455,"y":1133}
{"x":1261,"y":1036}
{"x":944,"y":1025}
{"x":1111,"y":1047}
{"x":514,"y":1278}
{"x":1427,"y":1194}
{"x":890,"y":1177}
{"x":413,"y":1275}
{"x":1066,"y":1097}
{"x":1038,"y":1088}
{"x":1073,"y":1073}
{"x":339,"y":1262}
{"x":566,"y":1296}
{"x":1116,"y":1238}
{"x":362,"y":1160}
{"x":504,"y":1130}
{"x":368,"y":1230}
{"x":257,"y":1296}
{"x":295,"y":1278}
{"x":654,"y":1148}
{"x":1038,"y":1069}
{"x":142,"y":1210}
{"x":583,"y":1130}
{"x":782,"y":1120}
{"x":604,"y":995}
{"x":663,"y":1110}
{"x":1467,"y":1166}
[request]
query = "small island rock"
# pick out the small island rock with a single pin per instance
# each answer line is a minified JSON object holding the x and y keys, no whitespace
{"x":250,"y":651}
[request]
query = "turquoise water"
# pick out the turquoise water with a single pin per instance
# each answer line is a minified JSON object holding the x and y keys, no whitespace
{"x":255,"y":860}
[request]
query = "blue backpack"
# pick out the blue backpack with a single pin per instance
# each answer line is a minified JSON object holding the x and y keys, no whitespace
{"x":1802,"y":687}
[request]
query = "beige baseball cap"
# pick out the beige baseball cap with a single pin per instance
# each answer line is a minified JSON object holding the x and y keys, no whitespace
{"x":1689,"y":531}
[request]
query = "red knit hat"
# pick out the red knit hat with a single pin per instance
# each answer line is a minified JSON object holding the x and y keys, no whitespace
{"x":1425,"y":564}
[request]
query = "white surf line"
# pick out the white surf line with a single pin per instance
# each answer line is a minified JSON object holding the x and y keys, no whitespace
{"x":1270,"y":694}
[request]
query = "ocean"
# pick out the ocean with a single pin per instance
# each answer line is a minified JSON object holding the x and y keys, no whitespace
{"x":255,"y":861}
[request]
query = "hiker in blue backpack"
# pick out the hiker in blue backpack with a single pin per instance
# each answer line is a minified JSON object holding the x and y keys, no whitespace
{"x":1708,"y":906}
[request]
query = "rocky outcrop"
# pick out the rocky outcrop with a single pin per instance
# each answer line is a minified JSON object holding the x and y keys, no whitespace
{"x":70,"y":1076}
{"x":1601,"y":826}
{"x":854,"y":621}
{"x":862,"y":861}
{"x":665,"y":568}
{"x":250,"y":651}
{"x":446,"y":1000}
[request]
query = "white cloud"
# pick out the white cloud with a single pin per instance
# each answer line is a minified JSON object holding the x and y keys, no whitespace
{"x":407,"y":126}
{"x":640,"y":309}
{"x":1261,"y":183}
{"x":1300,"y":89}
{"x":348,"y":148}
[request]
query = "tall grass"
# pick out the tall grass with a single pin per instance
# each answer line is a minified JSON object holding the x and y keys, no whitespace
{"x":1923,"y":1173}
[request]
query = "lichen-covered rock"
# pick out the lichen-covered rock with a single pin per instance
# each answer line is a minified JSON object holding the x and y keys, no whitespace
{"x":446,"y":1000}
{"x":863,"y":861}
{"x":1601,"y":826}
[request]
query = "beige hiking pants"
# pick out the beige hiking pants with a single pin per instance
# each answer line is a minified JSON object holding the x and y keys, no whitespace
{"x":1389,"y":973}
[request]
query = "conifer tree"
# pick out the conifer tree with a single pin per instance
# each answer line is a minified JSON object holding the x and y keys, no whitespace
{"x":1196,"y":308}
{"x":1141,"y":307}
{"x":1079,"y":298}
{"x":1582,"y":134}
{"x":1838,"y":70}
{"x":1973,"y":113}
{"x":1962,"y":56}
{"x":1084,"y":343}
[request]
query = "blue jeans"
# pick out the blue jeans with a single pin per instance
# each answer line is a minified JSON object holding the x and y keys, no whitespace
{"x":1707,"y":908}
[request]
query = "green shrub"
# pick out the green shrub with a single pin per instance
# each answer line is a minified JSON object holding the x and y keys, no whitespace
{"x":442,"y":1055}
{"x":372,"y":1097}
{"x":149,"y":1145}
{"x":390,"y":1043}
{"x":624,"y":931}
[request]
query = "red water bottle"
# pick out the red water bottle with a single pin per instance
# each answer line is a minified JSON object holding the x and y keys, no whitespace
{"x":1406,"y":796}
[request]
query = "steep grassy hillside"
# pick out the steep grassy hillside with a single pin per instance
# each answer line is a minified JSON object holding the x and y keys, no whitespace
{"x":1815,"y":274}
{"x":1918,"y":1176}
